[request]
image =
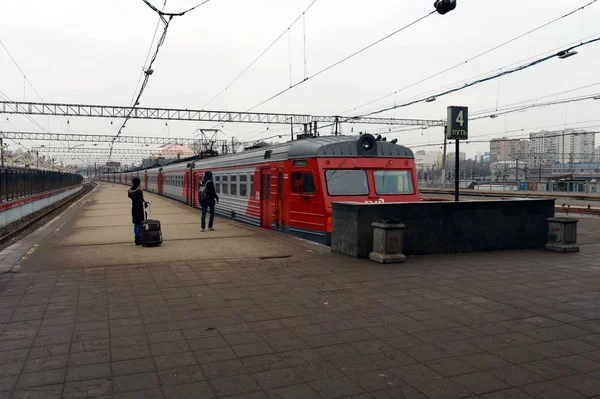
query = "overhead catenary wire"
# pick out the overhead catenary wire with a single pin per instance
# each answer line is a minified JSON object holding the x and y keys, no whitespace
{"x":26,"y":79}
{"x":475,"y":57}
{"x":522,"y":135}
{"x":524,"y":102}
{"x":148,"y":70}
{"x":20,"y":70}
{"x":428,"y":94}
{"x":432,"y":92}
{"x":286,"y":30}
{"x":396,"y":131}
{"x":565,"y":134}
{"x":539,"y":105}
{"x":173,"y":14}
{"x":343,"y":60}
{"x":29,"y":118}
{"x":137,"y":86}
{"x":483,"y":80}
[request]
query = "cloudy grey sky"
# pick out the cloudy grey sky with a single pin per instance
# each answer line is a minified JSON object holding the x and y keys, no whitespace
{"x":92,"y":52}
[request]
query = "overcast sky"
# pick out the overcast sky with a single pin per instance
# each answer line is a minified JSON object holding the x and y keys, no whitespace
{"x":92,"y":52}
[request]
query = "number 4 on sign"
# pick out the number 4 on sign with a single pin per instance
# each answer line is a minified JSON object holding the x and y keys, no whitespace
{"x":460,"y":119}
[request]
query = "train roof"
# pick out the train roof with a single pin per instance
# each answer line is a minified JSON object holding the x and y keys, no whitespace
{"x":313,"y":147}
{"x":343,"y":146}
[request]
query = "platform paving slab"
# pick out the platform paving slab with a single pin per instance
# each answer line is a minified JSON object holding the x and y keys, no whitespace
{"x":519,"y":324}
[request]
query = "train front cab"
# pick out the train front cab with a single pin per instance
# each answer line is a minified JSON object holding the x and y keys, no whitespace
{"x":379,"y":172}
{"x":314,"y":184}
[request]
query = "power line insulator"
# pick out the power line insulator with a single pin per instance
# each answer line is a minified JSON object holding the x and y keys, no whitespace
{"x":444,"y":6}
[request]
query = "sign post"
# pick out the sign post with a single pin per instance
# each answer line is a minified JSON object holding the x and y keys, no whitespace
{"x":457,"y":129}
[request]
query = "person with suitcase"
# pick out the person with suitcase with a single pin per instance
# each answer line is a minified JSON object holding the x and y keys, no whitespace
{"x":136,"y":195}
{"x":207,"y":196}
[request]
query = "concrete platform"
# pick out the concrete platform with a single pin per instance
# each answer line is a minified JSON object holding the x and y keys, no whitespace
{"x":246,"y":313}
{"x":99,"y":233}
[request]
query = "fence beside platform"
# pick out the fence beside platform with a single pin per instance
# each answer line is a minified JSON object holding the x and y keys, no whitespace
{"x":21,"y":183}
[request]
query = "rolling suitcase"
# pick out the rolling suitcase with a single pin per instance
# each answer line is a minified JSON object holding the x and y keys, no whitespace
{"x":151,"y":231}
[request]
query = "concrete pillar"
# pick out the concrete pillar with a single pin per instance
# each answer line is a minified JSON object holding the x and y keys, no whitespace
{"x":562,"y":235}
{"x":387,"y":242}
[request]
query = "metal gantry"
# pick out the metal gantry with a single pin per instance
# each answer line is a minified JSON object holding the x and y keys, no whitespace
{"x":121,"y":151}
{"x":97,"y":158}
{"x":174,"y":114}
{"x":102,"y":138}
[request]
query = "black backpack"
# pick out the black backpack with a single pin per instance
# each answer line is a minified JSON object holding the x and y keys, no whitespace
{"x":203,"y":192}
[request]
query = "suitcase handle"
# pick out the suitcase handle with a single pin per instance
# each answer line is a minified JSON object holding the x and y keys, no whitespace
{"x":147,"y":206}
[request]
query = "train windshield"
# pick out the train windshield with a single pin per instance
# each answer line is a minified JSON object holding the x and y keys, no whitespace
{"x":347,"y":182}
{"x":393,"y":182}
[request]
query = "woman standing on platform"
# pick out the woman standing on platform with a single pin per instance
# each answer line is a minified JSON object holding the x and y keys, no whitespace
{"x":137,"y":208}
{"x":208,"y":196}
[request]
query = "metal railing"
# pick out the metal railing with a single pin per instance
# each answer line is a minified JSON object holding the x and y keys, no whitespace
{"x":21,"y":183}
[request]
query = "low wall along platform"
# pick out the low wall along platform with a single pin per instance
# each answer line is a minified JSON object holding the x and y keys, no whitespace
{"x":12,"y":211}
{"x":445,"y":227}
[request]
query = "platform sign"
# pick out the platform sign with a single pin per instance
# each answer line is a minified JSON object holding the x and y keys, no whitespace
{"x":458,"y":123}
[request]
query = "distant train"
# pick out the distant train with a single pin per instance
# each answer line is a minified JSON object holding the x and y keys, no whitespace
{"x":290,"y":187}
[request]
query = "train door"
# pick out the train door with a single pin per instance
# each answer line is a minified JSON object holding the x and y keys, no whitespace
{"x":159,"y":183}
{"x":276,"y":198}
{"x":191,"y":191}
{"x":265,"y":197}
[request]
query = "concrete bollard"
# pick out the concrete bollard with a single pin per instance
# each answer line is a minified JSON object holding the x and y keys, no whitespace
{"x":562,"y":235}
{"x":387,"y":242}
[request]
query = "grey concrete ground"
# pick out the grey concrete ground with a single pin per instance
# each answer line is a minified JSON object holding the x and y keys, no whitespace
{"x":262,"y":317}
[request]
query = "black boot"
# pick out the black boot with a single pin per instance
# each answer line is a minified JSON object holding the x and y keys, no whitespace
{"x":138,"y":241}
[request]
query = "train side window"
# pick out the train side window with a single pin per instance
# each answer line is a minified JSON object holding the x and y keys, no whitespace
{"x":252,"y":186}
{"x":296,"y":182}
{"x":308,"y":183}
{"x":233,"y":190}
{"x":225,"y":187}
{"x":218,"y":184}
{"x":303,"y":183}
{"x":243,"y":186}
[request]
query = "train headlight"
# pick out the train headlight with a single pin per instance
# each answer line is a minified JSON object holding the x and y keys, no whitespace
{"x":367,"y":143}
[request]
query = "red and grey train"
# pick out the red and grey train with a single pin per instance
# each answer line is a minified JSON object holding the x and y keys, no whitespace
{"x":290,"y":187}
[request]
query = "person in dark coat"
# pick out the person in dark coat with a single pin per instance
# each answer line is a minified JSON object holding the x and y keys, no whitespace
{"x":208,"y":196}
{"x":137,"y":208}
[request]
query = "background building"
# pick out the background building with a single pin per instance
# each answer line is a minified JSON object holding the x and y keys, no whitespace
{"x":505,"y":149}
{"x":563,"y":146}
{"x":428,"y":159}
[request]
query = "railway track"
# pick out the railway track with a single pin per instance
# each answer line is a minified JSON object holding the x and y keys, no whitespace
{"x":26,"y":225}
{"x":525,"y":194}
{"x":574,"y":204}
